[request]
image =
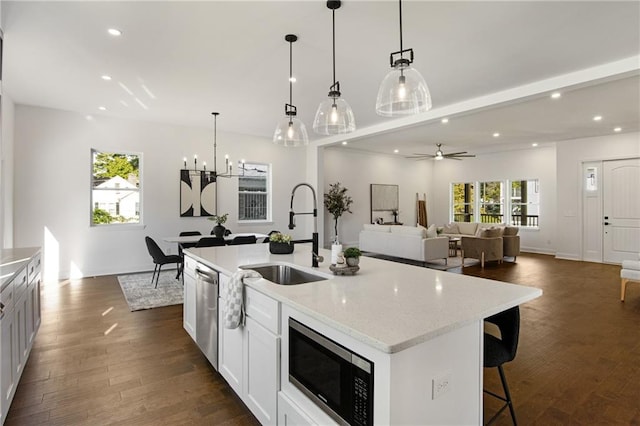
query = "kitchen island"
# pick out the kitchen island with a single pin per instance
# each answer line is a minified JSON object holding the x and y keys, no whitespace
{"x":421,"y":328}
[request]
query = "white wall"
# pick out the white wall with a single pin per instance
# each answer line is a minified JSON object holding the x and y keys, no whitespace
{"x":356,"y":171}
{"x":570,"y":155}
{"x":6,"y":172}
{"x":539,"y":163}
{"x":52,"y":185}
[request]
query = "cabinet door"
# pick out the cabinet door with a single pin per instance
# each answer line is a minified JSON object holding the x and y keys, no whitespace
{"x":262,"y":371}
{"x":189,"y":306}
{"x":290,"y":414}
{"x":22,"y":333}
{"x":230,"y":347}
{"x":8,"y":354}
{"x":36,"y":313}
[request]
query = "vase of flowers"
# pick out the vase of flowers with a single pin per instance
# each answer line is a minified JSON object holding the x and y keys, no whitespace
{"x":218,"y":230}
{"x":280,"y":244}
{"x":352,"y":256}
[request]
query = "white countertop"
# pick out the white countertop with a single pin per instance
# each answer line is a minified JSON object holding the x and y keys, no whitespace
{"x":13,"y":260}
{"x":387,"y":305}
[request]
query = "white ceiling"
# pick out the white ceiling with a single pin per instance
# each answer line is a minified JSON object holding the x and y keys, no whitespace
{"x":490,"y":66}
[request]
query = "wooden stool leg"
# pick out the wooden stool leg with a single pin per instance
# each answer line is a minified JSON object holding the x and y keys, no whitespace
{"x":482,"y":260}
{"x":623,"y":288}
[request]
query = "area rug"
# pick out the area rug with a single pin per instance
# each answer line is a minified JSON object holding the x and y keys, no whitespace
{"x":140,"y":293}
{"x":452,"y":262}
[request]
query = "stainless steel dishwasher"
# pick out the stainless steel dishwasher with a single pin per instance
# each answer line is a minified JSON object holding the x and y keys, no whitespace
{"x":207,"y":312}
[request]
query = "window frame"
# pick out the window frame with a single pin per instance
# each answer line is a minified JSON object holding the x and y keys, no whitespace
{"x":268,"y":192}
{"x":138,"y":189}
{"x":506,"y":204}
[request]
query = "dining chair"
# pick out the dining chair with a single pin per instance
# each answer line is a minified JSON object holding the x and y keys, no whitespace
{"x":159,"y":259}
{"x":498,"y":351}
{"x":246,"y":239}
{"x":210,"y":242}
{"x":182,"y":246}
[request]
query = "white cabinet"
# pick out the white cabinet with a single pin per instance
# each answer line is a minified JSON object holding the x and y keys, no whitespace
{"x":262,"y":370}
{"x":19,"y":323}
{"x":8,"y":353}
{"x":289,"y":414}
{"x":189,"y":305}
{"x":249,"y":356}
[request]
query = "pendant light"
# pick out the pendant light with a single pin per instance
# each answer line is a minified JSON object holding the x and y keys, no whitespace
{"x":290,"y":130}
{"x":403,"y":91}
{"x":334,"y":115}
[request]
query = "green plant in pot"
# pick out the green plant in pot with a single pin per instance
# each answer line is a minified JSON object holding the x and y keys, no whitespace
{"x":220,"y":219}
{"x":280,"y":243}
{"x":337,"y":202}
{"x":352,"y":256}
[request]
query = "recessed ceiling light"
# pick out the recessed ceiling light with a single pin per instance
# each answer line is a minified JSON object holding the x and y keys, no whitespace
{"x":89,"y":117}
{"x":106,"y":77}
{"x":344,"y":142}
{"x":444,"y":120}
{"x":556,"y":95}
{"x":534,"y":144}
{"x":617,"y":129}
{"x":496,"y":135}
{"x":114,"y":32}
{"x":396,"y":151}
{"x":597,"y":118}
{"x":101,"y":108}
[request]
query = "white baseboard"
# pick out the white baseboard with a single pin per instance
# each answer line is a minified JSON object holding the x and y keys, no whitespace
{"x":568,"y":256}
{"x":537,"y":250}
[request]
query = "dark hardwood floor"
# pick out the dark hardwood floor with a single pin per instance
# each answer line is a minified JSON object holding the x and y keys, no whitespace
{"x":94,"y":362}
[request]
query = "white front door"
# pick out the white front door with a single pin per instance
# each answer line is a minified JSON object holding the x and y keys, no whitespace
{"x":621,"y":210}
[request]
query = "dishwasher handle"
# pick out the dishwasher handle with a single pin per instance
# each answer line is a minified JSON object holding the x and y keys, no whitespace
{"x":207,"y":277}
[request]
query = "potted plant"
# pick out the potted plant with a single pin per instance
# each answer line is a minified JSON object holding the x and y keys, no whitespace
{"x":218,"y":230}
{"x":352,"y":256}
{"x":280,"y":243}
{"x":337,"y":202}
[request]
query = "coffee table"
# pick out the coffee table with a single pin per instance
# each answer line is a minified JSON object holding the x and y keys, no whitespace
{"x":453,"y":246}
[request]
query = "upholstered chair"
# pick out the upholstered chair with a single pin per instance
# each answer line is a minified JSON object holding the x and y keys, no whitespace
{"x":488,"y":246}
{"x":630,"y":272}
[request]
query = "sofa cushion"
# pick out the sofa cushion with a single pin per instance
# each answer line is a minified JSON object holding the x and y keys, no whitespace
{"x":491,"y":233}
{"x":467,"y":228}
{"x":451,"y":228}
{"x":378,"y":228}
{"x":510,"y":231}
{"x":431,"y":231}
{"x":408,"y":230}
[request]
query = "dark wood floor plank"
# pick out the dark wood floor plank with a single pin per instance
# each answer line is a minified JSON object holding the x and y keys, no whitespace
{"x":578,"y":359}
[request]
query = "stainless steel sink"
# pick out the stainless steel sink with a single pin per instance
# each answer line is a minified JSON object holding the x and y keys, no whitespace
{"x":284,"y":274}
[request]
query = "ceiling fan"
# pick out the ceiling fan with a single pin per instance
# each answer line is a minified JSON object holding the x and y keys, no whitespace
{"x":439,"y":155}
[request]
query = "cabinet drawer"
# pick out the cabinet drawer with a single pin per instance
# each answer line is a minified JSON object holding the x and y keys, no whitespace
{"x":7,"y":296}
{"x":20,"y":283}
{"x":262,"y":309}
{"x":190,"y":266}
{"x":34,"y":267}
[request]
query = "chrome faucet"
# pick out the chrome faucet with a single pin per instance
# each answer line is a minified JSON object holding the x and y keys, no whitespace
{"x":292,"y":224}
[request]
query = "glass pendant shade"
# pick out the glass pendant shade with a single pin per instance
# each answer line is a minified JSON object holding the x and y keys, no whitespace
{"x":334,"y":117}
{"x":290,"y":132}
{"x":403,"y":92}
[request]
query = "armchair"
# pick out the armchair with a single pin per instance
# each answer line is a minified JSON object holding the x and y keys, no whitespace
{"x":630,"y":272}
{"x":483,"y":248}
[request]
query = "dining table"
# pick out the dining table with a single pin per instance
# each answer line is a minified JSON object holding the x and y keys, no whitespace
{"x":192,"y":239}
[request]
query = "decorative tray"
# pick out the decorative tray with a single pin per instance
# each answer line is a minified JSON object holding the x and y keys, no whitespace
{"x":344,"y":270}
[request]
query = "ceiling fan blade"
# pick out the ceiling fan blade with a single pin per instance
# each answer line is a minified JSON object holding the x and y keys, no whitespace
{"x":461,"y":155}
{"x":455,"y":153}
{"x":422,"y":155}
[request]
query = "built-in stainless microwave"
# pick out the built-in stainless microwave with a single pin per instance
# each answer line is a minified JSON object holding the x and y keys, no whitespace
{"x":338,"y":380}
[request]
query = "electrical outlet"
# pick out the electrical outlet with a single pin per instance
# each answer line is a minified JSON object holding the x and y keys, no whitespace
{"x":441,"y":385}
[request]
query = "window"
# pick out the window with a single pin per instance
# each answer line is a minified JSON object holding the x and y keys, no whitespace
{"x":491,"y":202}
{"x":254,"y":184}
{"x":525,"y":202}
{"x":494,"y":204}
{"x":115,"y":188}
{"x":463,"y":202}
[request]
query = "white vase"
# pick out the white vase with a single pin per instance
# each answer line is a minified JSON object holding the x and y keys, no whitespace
{"x":336,"y":249}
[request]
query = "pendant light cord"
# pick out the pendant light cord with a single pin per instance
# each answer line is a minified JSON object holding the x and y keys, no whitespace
{"x":290,"y":74}
{"x":400,"y":6}
{"x":333,"y":13}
